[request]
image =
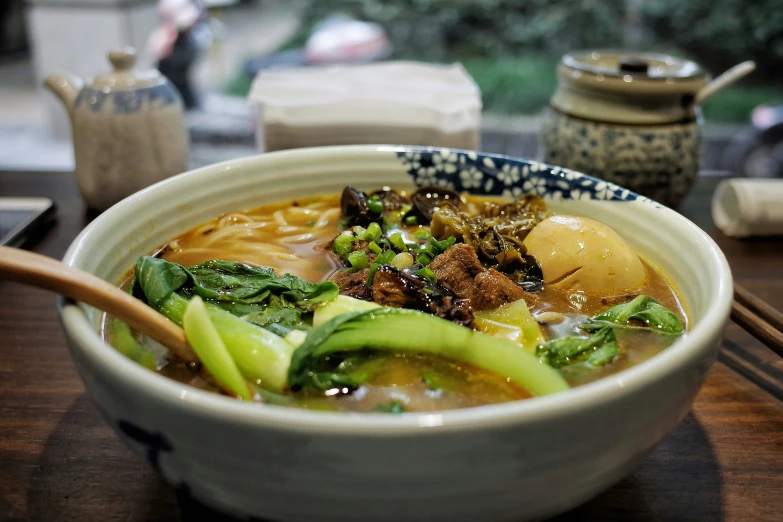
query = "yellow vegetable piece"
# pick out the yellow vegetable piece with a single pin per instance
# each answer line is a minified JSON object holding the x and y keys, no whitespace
{"x":342,"y":304}
{"x":512,"y":322}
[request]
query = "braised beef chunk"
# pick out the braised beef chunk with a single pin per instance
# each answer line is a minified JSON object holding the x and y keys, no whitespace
{"x":459,"y":270}
{"x":395,"y":288}
{"x":494,"y":289}
{"x":354,"y":284}
{"x":391,"y":287}
{"x":455,"y":269}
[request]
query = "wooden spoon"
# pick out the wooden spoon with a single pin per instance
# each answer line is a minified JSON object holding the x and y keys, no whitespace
{"x":724,"y":80}
{"x":47,"y":273}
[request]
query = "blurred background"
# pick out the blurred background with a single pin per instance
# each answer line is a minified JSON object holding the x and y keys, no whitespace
{"x":509,"y":47}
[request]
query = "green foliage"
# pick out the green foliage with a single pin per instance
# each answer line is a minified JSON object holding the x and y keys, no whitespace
{"x":721,"y":33}
{"x":440,"y":30}
{"x":735,"y":103}
{"x":511,"y":48}
{"x":514,"y":84}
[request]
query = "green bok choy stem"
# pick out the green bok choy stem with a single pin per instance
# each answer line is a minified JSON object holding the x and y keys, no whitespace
{"x":258,"y":353}
{"x":400,"y":330}
{"x":205,"y":340}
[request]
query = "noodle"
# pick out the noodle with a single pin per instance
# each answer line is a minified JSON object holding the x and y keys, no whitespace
{"x":299,"y":211}
{"x":280,"y":219}
{"x":281,"y":236}
{"x":302,"y":238}
{"x":287,"y":229}
{"x":234,"y":217}
{"x":328,"y":217}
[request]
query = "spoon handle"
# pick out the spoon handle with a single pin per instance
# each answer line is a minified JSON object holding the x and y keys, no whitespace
{"x":724,"y":80}
{"x":47,"y":273}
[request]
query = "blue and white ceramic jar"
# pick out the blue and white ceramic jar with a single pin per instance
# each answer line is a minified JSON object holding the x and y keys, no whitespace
{"x":628,"y":119}
{"x":128,"y":129}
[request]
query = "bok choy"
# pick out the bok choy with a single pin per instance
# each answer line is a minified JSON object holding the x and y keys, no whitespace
{"x":400,"y":330}
{"x":601,"y":347}
{"x":259,"y":354}
{"x":205,"y":340}
{"x":342,"y":326}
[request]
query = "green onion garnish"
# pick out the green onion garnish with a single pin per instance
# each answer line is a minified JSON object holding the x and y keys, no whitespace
{"x":427,"y":274}
{"x":359,"y":231}
{"x":374,"y":204}
{"x":373,"y":268}
{"x":373,"y":232}
{"x":411,"y":220}
{"x":397,"y":242}
{"x":358,"y":260}
{"x":385,"y":258}
{"x":343,"y":244}
{"x":442,"y":246}
{"x":374,"y":248}
{"x":424,"y":259}
{"x":421,"y":234}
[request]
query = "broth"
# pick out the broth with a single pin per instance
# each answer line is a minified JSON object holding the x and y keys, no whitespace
{"x":295,"y":237}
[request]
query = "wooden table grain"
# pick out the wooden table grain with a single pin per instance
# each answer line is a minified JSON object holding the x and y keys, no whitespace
{"x":59,"y":461}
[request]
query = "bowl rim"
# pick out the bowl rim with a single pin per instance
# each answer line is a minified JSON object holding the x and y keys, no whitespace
{"x":538,"y":409}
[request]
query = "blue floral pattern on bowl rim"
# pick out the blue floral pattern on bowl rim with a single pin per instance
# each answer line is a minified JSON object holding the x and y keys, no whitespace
{"x":491,"y":174}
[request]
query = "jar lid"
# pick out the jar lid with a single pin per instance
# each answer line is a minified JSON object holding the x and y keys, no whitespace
{"x":628,"y":87}
{"x":125,"y":75}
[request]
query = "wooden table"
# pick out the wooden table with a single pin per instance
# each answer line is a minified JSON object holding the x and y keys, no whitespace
{"x":59,"y":461}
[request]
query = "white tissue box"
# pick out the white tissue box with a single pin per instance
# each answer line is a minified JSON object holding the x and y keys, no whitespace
{"x":403,"y":103}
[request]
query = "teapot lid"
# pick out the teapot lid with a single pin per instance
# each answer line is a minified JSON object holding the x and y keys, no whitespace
{"x":628,"y":87}
{"x":125,"y":76}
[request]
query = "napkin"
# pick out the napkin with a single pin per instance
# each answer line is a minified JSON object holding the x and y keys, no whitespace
{"x":744,"y":207}
{"x":406,"y":103}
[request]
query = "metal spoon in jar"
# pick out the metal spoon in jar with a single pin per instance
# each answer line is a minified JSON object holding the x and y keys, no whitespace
{"x":49,"y":274}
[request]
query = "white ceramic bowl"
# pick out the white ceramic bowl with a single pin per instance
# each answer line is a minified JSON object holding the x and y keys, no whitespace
{"x":513,"y":461}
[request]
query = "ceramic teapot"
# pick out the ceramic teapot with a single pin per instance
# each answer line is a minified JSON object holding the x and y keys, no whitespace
{"x":128,"y":129}
{"x":631,"y":118}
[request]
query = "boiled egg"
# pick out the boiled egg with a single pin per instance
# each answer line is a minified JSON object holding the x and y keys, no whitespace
{"x":583,"y":254}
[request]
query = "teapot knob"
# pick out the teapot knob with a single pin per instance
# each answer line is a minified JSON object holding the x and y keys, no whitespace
{"x":123,"y":60}
{"x":633,"y":65}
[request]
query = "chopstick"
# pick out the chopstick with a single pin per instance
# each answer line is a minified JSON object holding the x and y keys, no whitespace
{"x":758,"y":318}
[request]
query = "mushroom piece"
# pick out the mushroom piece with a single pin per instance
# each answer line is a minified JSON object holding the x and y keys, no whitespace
{"x":391,"y":200}
{"x":426,"y":200}
{"x":353,"y":204}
